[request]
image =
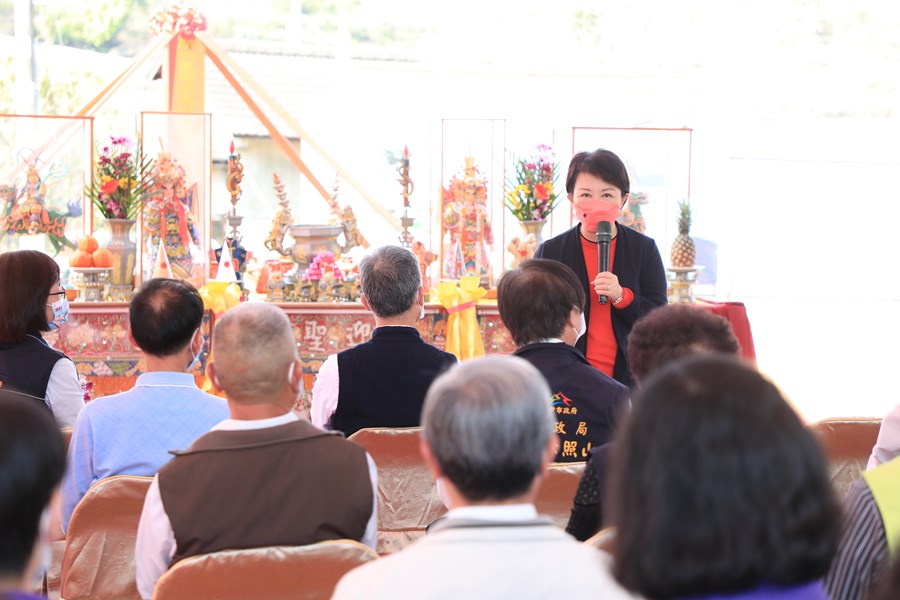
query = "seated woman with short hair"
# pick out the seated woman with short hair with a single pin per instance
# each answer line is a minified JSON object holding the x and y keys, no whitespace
{"x":718,"y":490}
{"x":661,"y":336}
{"x":542,"y":305}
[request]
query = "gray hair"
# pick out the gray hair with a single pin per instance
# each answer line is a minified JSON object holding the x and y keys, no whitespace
{"x":389,"y":278}
{"x":488,"y":422}
{"x":253,"y":346}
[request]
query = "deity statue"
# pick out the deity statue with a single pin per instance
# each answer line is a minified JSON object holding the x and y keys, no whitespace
{"x":352,"y":235}
{"x":25,"y":211}
{"x":34,"y":204}
{"x":521,"y":249}
{"x":169,"y":216}
{"x":282,"y":221}
{"x":467,"y":223}
{"x":425,"y":257}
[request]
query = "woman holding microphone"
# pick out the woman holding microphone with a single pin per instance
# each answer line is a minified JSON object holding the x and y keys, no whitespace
{"x":635,"y":281}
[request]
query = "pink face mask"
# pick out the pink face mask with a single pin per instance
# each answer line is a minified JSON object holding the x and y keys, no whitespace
{"x":592,"y":212}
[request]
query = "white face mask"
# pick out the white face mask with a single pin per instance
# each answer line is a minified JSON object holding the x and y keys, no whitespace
{"x":583,"y":329}
{"x":60,"y":313}
{"x":422,"y":312}
{"x":196,"y":360}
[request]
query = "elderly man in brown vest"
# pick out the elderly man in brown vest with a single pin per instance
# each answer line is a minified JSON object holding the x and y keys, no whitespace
{"x":264,"y":477}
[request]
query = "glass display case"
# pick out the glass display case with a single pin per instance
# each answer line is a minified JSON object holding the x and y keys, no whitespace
{"x":659,"y":167}
{"x":469,"y":213}
{"x":176,"y":219}
{"x":45,"y":164}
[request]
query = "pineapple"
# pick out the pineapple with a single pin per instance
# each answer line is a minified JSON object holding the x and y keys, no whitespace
{"x":683,"y":252}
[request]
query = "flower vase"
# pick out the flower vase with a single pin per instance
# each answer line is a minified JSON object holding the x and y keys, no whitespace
{"x":533,"y":228}
{"x":124,"y":254}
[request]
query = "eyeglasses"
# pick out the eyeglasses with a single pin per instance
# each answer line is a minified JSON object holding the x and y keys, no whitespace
{"x":61,"y":292}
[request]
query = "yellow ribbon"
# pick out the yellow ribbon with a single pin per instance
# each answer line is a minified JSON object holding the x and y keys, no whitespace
{"x":463,"y":333}
{"x":218,"y":296}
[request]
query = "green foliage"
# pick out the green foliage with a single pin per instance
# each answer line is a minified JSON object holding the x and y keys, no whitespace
{"x":55,"y":96}
{"x":586,"y":27}
{"x":92,"y":26}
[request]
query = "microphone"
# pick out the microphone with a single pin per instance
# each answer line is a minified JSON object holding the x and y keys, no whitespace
{"x":604,"y":237}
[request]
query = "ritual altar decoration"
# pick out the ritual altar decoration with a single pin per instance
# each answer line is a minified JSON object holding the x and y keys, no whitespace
{"x":318,"y":270}
{"x":531,"y":197}
{"x":632,"y":214}
{"x":463,"y":334}
{"x":177,"y":212}
{"x":44,"y":167}
{"x":233,"y":242}
{"x":123,"y":180}
{"x":467,"y":227}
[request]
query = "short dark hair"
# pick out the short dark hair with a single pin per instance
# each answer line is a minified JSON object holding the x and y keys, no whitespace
{"x":599,"y":163}
{"x":164,"y":314}
{"x":32,"y":462}
{"x":675,"y":330}
{"x":536,"y":299}
{"x":717,"y":486}
{"x":389,"y":278}
{"x":26,"y":277}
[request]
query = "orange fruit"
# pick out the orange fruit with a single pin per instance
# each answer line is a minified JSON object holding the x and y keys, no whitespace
{"x":102,"y":258}
{"x":81,"y":260}
{"x":88,"y":244}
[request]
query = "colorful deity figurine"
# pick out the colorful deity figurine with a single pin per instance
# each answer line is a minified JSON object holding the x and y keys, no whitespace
{"x":24,"y":212}
{"x":467,"y":223}
{"x":169,"y":216}
{"x":29,"y":213}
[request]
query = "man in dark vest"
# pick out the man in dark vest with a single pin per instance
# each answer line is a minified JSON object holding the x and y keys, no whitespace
{"x":382,"y":383}
{"x":264,"y":477}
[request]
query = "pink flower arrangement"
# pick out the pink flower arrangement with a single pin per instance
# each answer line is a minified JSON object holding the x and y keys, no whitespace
{"x":121,"y":180}
{"x":532,"y":192}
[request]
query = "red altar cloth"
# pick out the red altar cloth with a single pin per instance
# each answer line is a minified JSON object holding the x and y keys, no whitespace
{"x":736,"y":314}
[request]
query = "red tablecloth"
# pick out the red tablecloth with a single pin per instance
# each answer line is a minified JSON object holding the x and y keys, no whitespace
{"x":736,"y":314}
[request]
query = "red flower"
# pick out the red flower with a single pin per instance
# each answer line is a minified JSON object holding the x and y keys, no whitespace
{"x":110,"y":186}
{"x":540,"y":192}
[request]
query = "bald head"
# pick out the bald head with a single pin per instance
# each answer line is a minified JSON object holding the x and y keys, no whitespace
{"x":253,"y":347}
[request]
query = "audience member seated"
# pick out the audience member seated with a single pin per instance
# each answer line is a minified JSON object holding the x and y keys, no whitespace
{"x":887,"y":446}
{"x":382,"y":382}
{"x":663,"y":335}
{"x":889,"y":586}
{"x":871,"y":533}
{"x":541,"y":304}
{"x":488,"y":436}
{"x":264,"y":477}
{"x":31,"y":302}
{"x":132,"y":433}
{"x":32,"y":461}
{"x":718,"y":490}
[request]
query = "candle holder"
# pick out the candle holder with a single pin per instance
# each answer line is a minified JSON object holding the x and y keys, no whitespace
{"x":91,"y":282}
{"x":233,"y":238}
{"x":681,"y":284}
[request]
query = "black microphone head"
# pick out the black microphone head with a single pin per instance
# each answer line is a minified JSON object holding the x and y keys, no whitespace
{"x":604,"y":231}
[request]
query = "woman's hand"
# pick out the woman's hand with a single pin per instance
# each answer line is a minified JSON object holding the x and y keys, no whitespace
{"x":607,"y":284}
